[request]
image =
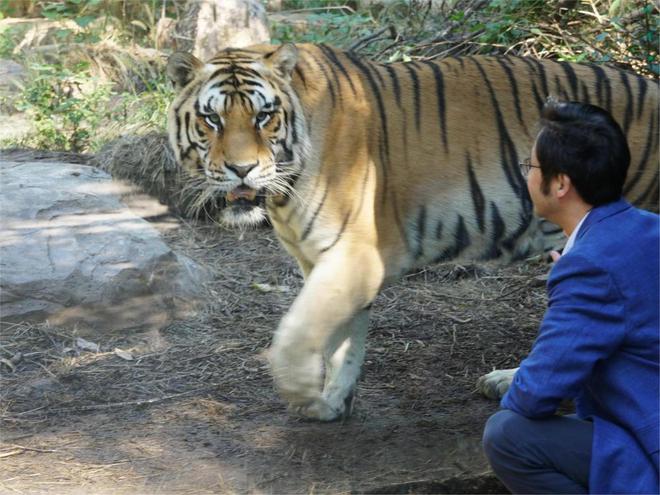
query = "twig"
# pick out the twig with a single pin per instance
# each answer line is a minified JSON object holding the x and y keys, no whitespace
{"x":455,"y":45}
{"x":457,"y":319}
{"x":350,"y":10}
{"x":31,"y":449}
{"x":453,"y":340}
{"x":372,"y":37}
{"x":466,"y":15}
{"x":398,"y":41}
{"x":19,"y":437}
{"x":9,"y":454}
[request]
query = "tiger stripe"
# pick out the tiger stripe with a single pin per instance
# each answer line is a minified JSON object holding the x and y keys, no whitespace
{"x":412,"y":72}
{"x":651,"y":143}
{"x":514,"y":88}
{"x":332,"y":56}
{"x":395,"y":84}
{"x":508,"y":154}
{"x":641,"y":95}
{"x":477,"y":195}
{"x":440,"y":97}
{"x":629,"y":108}
{"x":603,"y":89}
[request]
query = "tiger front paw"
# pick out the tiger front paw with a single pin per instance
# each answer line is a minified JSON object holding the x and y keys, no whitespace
{"x":297,"y":376}
{"x":319,"y":409}
{"x":327,"y":408}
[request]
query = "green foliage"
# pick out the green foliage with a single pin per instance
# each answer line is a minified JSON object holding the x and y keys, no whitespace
{"x":69,"y":9}
{"x":336,"y":28}
{"x":88,"y":97}
{"x":10,"y":36}
{"x":136,"y":18}
{"x":507,"y":21}
{"x":312,"y":4}
{"x":65,"y":118}
{"x":73,"y":111}
{"x":588,"y":32}
{"x":641,"y":41}
{"x":624,"y":32}
{"x":409,"y":21}
{"x":137,"y":113}
{"x":9,"y":8}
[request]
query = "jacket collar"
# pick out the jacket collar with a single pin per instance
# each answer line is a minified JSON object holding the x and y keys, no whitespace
{"x":603,"y":211}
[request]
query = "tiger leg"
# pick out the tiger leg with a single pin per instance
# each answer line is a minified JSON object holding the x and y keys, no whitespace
{"x":338,"y":288}
{"x":343,"y":359}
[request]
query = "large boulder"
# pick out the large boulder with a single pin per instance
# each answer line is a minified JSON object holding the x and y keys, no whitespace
{"x":72,"y":252}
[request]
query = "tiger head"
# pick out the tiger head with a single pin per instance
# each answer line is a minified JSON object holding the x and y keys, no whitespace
{"x":236,"y":122}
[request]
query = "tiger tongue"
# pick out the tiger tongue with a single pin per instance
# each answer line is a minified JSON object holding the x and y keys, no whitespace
{"x":241,"y":192}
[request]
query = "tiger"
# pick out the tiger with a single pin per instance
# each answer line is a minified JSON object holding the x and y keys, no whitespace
{"x":367,"y":171}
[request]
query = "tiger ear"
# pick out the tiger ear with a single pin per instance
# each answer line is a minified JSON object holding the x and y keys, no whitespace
{"x":181,"y":68}
{"x":284,"y":59}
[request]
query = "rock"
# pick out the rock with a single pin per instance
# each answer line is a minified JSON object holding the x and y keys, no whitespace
{"x":12,"y":78}
{"x":14,"y":126}
{"x":12,"y":75}
{"x":72,"y":252}
{"x":208,"y":26}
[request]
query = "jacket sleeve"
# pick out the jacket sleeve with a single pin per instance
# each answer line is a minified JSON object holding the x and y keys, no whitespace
{"x":584,"y":323}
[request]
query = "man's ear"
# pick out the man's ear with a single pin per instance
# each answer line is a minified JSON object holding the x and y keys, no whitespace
{"x":563,"y":185}
{"x":283,"y":60}
{"x":181,"y":68}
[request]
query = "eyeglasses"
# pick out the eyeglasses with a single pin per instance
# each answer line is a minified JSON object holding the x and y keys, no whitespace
{"x":526,"y":166}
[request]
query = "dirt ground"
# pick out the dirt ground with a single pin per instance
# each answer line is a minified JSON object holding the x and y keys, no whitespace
{"x":194,"y":410}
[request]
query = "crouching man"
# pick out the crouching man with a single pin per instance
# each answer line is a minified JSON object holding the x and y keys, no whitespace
{"x":598,"y":343}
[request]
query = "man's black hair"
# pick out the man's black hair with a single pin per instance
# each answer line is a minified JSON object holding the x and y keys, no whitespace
{"x":584,"y":142}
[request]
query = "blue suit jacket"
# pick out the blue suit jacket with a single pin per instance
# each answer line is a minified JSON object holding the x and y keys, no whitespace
{"x":599,"y":345}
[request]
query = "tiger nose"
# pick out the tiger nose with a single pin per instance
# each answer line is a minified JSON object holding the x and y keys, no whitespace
{"x":241,"y":171}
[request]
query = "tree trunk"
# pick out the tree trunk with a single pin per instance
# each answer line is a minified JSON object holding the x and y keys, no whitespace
{"x":208,"y":26}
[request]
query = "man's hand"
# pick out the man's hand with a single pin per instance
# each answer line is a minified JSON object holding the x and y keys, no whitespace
{"x":495,"y":384}
{"x":555,"y":255}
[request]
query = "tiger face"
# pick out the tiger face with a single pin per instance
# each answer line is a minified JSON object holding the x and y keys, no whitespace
{"x":239,"y":125}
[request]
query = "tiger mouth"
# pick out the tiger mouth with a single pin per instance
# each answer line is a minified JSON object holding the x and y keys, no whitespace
{"x":242,"y":196}
{"x":244,"y":207}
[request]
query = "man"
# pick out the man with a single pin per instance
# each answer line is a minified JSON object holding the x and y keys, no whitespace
{"x":599,"y":340}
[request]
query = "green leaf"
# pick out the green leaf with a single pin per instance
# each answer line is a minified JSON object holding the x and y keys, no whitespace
{"x":84,"y":21}
{"x":50,"y":14}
